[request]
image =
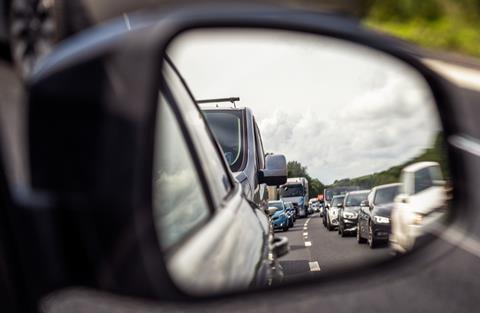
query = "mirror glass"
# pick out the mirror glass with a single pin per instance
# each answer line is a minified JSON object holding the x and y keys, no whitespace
{"x":367,"y":169}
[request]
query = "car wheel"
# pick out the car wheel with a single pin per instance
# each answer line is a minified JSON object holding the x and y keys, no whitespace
{"x":329,"y":225}
{"x":342,"y":232}
{"x":360,"y":239}
{"x":285,"y":228}
{"x":371,"y":239}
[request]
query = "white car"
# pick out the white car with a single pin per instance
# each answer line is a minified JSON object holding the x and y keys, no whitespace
{"x":332,"y":212}
{"x":419,"y":206}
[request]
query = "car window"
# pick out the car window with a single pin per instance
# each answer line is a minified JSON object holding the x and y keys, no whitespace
{"x":386,"y":195}
{"x":337,"y":200}
{"x":179,"y":203}
{"x":355,"y":199}
{"x":278,"y":205}
{"x":206,"y":145}
{"x":423,"y":179}
{"x":227,"y":126}
{"x":259,"y":148}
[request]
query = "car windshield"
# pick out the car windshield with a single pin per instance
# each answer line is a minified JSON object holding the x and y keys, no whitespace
{"x":337,"y":200}
{"x":330,"y":193}
{"x":227,"y":127}
{"x":278,"y":205}
{"x":386,"y":195}
{"x":355,"y":199}
{"x":291,"y":191}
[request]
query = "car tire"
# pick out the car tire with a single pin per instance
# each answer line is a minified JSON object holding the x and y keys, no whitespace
{"x":342,"y":232}
{"x":360,"y":239}
{"x":329,"y":225}
{"x":285,"y":228}
{"x":371,"y":238}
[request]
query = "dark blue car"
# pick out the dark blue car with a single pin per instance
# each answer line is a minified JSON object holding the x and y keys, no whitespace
{"x":281,"y":219}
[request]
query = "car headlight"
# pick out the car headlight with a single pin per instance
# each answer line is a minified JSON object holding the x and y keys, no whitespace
{"x":381,"y":220}
{"x":350,"y":215}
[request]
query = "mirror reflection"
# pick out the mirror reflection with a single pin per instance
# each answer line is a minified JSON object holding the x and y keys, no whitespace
{"x":292,"y":155}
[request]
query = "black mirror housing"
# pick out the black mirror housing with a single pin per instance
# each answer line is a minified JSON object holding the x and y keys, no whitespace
{"x":275,"y":172}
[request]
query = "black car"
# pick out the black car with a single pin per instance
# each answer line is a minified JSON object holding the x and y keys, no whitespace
{"x":374,"y":215}
{"x":348,"y":213}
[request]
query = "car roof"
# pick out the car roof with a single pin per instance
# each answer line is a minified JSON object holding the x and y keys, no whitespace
{"x":419,"y":165}
{"x":222,"y":108}
{"x":386,"y":186}
{"x":358,"y":191}
{"x":338,"y":196}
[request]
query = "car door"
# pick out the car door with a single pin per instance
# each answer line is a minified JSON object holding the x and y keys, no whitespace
{"x":364,"y":214}
{"x":231,"y":238}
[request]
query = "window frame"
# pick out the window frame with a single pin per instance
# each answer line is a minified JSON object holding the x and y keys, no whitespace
{"x":166,"y":92}
{"x":192,"y":146}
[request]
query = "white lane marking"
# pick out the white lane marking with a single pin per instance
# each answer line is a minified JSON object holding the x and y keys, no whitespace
{"x":460,"y":75}
{"x":305,"y":233}
{"x":314,"y":267}
{"x":308,"y":243}
{"x":305,"y":227}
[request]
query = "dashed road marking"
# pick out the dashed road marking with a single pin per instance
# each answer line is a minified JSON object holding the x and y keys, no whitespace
{"x":308,"y":243}
{"x":305,"y":234}
{"x":305,"y":227}
{"x":314,"y":267}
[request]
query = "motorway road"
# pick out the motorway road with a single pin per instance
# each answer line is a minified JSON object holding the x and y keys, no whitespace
{"x":315,"y":250}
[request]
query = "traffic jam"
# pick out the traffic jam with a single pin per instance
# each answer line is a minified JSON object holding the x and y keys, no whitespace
{"x":388,"y":217}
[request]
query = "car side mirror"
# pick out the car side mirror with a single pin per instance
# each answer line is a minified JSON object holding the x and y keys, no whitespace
{"x":364,"y":203}
{"x":275,"y":172}
{"x":339,"y":205}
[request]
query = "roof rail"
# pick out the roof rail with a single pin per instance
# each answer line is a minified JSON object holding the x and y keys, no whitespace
{"x":231,"y":99}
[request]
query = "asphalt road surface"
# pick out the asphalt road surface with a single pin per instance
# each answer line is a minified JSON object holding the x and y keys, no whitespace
{"x":314,"y":250}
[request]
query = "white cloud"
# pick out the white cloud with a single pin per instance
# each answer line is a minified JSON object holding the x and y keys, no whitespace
{"x":340,"y":109}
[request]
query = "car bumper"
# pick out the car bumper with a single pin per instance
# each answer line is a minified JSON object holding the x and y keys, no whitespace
{"x":280,"y":223}
{"x":381,"y":231}
{"x":349,"y":224}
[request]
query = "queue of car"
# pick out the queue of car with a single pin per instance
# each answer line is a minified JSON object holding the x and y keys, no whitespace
{"x":396,"y":214}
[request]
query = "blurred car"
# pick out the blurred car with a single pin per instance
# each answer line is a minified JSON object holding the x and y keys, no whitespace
{"x":332,"y":212}
{"x":239,"y":137}
{"x":280,"y":219}
{"x":420,"y":204}
{"x":348,"y":213}
{"x":375,"y":213}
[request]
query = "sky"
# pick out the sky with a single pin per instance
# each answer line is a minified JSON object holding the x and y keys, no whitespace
{"x":341,"y":109}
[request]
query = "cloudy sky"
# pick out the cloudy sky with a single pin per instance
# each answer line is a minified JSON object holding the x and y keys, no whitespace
{"x":340,"y":109}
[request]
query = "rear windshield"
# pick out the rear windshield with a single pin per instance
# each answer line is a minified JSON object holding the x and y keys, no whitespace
{"x":291,"y":191}
{"x":355,"y":199}
{"x":278,"y":205}
{"x":386,"y":195}
{"x":227,"y":127}
{"x":337,"y":200}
